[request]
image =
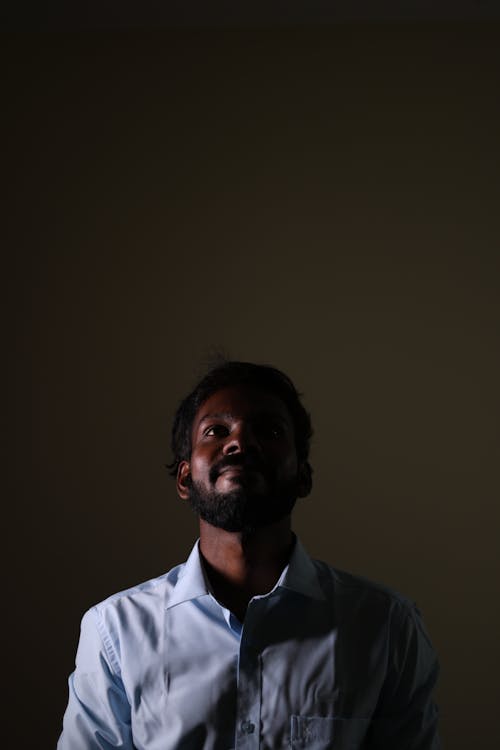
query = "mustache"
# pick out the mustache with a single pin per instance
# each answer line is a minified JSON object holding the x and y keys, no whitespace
{"x":245,"y":461}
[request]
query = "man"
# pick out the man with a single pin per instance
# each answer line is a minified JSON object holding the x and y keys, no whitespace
{"x":251,"y":643}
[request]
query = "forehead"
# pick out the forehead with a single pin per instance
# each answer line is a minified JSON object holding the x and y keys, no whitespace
{"x":242,"y":402}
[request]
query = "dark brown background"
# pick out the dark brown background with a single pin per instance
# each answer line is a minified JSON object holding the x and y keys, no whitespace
{"x":325,"y":200}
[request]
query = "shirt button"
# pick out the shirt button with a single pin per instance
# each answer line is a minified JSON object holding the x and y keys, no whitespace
{"x":247,"y":727}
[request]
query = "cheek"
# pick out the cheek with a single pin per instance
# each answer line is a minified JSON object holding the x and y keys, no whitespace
{"x":200,"y":465}
{"x":293,"y":467}
{"x":288,"y":465}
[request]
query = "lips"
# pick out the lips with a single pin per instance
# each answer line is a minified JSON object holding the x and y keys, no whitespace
{"x":239,"y":470}
{"x":246,"y":470}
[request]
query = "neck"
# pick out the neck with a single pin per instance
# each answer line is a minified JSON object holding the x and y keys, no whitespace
{"x":240,"y":566}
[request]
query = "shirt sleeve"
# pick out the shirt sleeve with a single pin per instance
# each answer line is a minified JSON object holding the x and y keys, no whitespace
{"x":98,"y":713}
{"x":406,"y":715}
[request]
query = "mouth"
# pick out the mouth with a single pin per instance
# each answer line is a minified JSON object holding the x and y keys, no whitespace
{"x":238,"y":471}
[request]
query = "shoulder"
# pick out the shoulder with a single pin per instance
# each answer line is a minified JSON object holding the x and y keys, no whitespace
{"x":123,"y":632}
{"x":356,"y":592}
{"x":152,"y":591}
{"x":133,"y":612}
{"x":373,"y":612}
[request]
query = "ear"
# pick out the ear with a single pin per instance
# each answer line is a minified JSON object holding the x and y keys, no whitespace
{"x":305,"y":479}
{"x":183,"y":472}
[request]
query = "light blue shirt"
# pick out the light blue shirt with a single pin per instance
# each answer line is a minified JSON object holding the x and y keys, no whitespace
{"x":324,"y":660}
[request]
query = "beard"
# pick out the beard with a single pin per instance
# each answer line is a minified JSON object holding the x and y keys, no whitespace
{"x":243,"y":510}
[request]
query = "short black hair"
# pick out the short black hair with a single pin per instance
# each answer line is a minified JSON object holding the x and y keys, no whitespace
{"x":229,"y":373}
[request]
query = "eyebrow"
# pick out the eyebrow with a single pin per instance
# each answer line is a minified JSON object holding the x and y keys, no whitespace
{"x":230,"y":415}
{"x":218,"y":415}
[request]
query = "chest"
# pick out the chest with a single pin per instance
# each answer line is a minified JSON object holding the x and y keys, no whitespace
{"x":298,"y":675}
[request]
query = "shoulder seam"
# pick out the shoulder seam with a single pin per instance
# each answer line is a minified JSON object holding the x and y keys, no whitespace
{"x":106,"y":641}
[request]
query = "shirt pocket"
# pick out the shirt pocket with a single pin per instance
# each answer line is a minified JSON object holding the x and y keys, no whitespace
{"x":323,"y":733}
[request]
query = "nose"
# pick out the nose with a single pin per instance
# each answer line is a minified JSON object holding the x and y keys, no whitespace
{"x":241,"y":439}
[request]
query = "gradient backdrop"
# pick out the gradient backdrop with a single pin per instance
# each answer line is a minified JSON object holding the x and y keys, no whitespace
{"x":323,"y":200}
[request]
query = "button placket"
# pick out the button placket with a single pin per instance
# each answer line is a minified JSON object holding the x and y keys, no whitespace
{"x":249,"y":688}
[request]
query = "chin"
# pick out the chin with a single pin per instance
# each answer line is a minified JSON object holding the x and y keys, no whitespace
{"x":238,"y":483}
{"x":243,"y":507}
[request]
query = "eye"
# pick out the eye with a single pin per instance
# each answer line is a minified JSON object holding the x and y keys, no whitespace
{"x":271,"y":430}
{"x":276,"y":431}
{"x":216,"y":430}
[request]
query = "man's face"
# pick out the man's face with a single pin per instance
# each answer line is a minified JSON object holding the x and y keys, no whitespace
{"x":243,"y":472}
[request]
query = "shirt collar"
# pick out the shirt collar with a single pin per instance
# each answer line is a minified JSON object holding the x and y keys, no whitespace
{"x":299,"y":575}
{"x":191,"y":581}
